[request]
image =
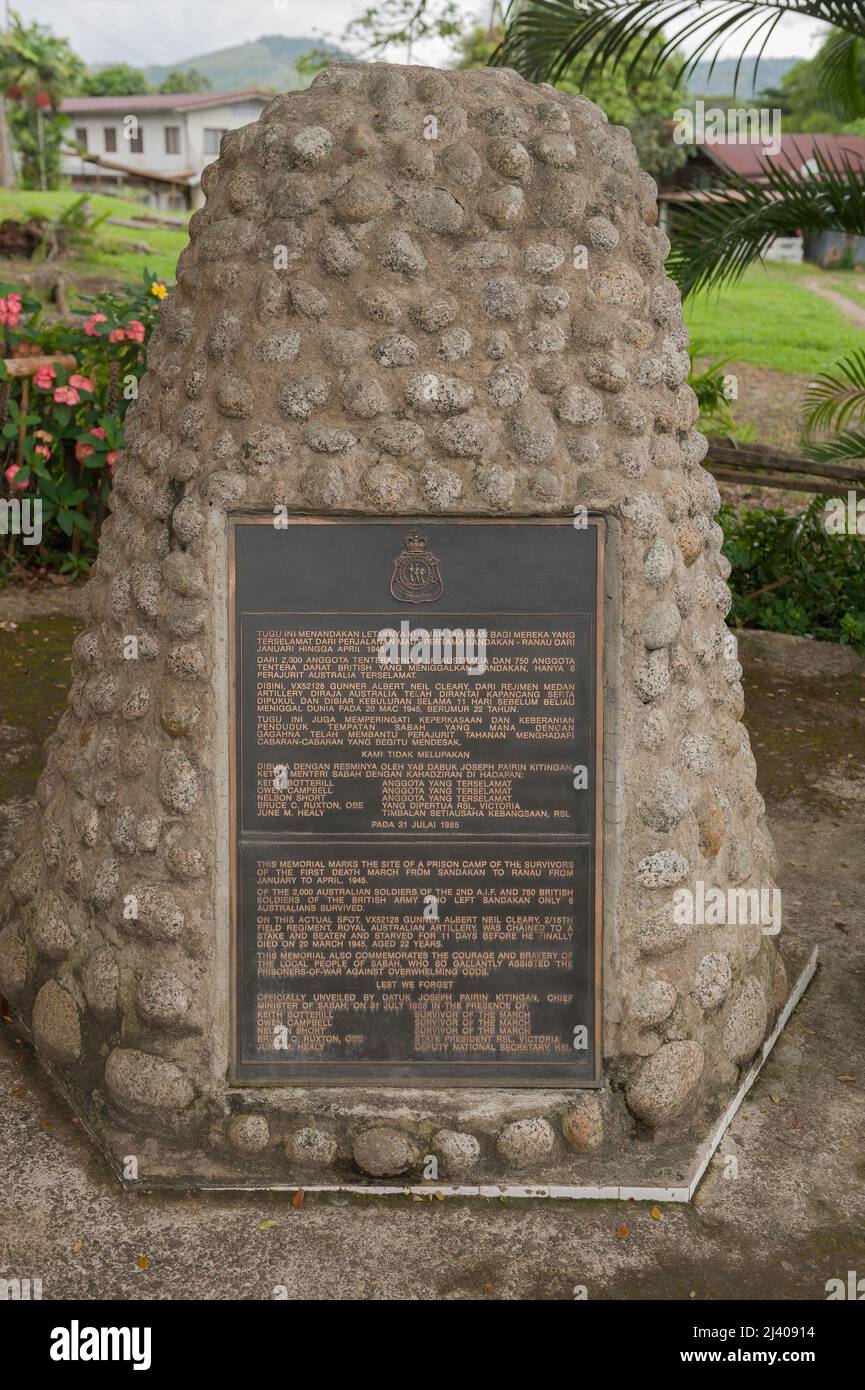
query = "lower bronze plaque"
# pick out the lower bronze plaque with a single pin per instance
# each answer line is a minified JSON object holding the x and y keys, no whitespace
{"x":416,"y":725}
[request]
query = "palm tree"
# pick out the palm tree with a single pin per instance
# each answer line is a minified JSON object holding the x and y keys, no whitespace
{"x":36,"y":69}
{"x":717,"y":238}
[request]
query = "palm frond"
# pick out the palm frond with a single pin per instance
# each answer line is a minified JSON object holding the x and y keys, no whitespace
{"x":837,"y":71}
{"x":544,"y":38}
{"x":833,"y":397}
{"x":849,"y":444}
{"x":715,"y":240}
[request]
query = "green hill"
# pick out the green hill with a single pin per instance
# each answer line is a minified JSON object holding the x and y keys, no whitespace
{"x":720,"y":84}
{"x":268,"y":62}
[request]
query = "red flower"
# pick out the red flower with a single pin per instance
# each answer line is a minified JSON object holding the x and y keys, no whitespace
{"x":66,"y":395}
{"x":44,"y":377}
{"x":10,"y":473}
{"x":90,"y":325}
{"x":135,"y":331}
{"x":10,"y":310}
{"x":82,"y":383}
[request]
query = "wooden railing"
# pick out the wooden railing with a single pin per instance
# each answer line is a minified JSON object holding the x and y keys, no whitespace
{"x":730,"y":462}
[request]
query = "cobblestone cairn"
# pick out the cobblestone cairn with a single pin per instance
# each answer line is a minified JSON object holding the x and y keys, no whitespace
{"x":410,"y":292}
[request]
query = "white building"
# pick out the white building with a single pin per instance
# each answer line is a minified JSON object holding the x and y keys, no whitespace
{"x":160,"y":143}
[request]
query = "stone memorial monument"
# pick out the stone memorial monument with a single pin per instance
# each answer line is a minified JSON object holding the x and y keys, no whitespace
{"x":402,"y":827}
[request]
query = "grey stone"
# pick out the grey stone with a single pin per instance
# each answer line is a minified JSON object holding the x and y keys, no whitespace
{"x":162,"y":998}
{"x":13,"y":961}
{"x":666,"y":802}
{"x":524,"y":1143}
{"x":311,"y":1146}
{"x":666,"y":1082}
{"x":746,"y":1020}
{"x":653,"y":1003}
{"x":712,"y":981}
{"x":662,"y":870}
{"x":56,"y":1024}
{"x":660,"y":625}
{"x":583,"y":1125}
{"x":248,"y":1134}
{"x":384,"y":1152}
{"x":100,"y":980}
{"x":459,"y":1152}
{"x":145,"y":1085}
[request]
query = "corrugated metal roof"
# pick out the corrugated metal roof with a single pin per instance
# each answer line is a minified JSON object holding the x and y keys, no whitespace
{"x":752,"y":160}
{"x":159,"y":101}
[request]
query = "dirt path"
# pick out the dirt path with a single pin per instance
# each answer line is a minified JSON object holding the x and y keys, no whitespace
{"x":854,"y":312}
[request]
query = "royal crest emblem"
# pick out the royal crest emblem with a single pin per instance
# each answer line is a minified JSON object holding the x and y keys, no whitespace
{"x":416,"y":577}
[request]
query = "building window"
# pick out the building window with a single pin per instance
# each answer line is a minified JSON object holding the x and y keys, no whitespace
{"x":110,"y":135}
{"x":81,"y":135}
{"x":136,"y":143}
{"x":212,"y":139}
{"x":172,"y":139}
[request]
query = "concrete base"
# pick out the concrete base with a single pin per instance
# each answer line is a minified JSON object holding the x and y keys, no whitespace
{"x":633,"y":1169}
{"x":639,"y":1170}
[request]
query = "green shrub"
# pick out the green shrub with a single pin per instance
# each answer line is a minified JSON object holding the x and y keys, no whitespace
{"x":791,"y":575}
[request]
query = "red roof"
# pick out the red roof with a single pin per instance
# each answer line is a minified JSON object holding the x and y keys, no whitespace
{"x":752,"y":160}
{"x":159,"y":101}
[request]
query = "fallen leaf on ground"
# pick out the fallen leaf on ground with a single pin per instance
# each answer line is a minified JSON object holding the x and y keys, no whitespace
{"x":297,"y":1199}
{"x":623,"y":1232}
{"x":847,"y":1078}
{"x":656,"y":1214}
{"x":488,"y":1288}
{"x":143,"y":1262}
{"x":265,"y":1225}
{"x":774,"y":1097}
{"x":76,"y":1248}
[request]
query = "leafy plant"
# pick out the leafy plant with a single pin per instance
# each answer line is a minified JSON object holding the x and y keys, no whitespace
{"x":710,"y":387}
{"x":71,"y":230}
{"x":791,"y":575}
{"x":63,"y":448}
{"x":835,"y":401}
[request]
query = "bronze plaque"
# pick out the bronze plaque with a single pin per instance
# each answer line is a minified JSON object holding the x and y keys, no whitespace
{"x":416,"y":727}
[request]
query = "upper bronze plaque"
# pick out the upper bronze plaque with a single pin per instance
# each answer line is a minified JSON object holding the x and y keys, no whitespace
{"x":416,"y":732}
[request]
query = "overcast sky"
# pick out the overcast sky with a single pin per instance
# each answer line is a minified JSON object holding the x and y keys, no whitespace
{"x":165,"y":31}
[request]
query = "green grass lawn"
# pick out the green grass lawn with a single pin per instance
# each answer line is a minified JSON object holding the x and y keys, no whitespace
{"x":769,"y":318}
{"x":111,"y":254}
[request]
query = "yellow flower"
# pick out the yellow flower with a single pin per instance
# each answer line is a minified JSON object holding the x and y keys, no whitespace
{"x":158,"y":289}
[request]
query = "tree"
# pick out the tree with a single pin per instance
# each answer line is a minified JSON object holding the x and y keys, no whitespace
{"x":36,"y":70}
{"x":636,"y":100}
{"x":716,"y":240}
{"x":403,"y":24}
{"x":185,"y":80}
{"x":115,"y":80}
